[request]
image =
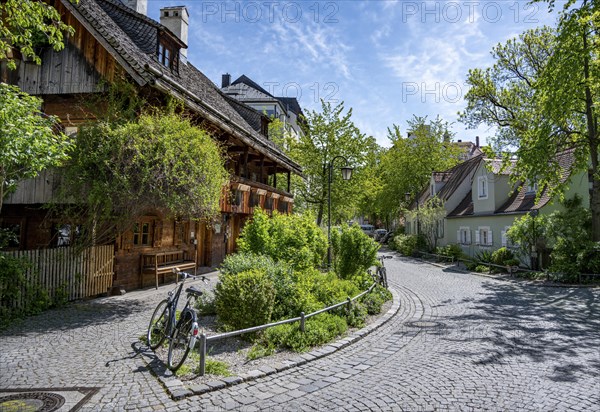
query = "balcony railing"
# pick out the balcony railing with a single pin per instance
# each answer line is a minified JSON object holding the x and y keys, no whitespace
{"x":245,"y":195}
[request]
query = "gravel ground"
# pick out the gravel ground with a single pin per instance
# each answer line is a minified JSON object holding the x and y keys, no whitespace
{"x":233,"y":351}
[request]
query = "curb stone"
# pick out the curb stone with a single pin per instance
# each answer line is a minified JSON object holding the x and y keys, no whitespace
{"x":178,"y":391}
{"x":527,"y":282}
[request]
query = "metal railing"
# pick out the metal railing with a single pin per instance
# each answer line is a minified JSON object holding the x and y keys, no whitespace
{"x":302,"y":319}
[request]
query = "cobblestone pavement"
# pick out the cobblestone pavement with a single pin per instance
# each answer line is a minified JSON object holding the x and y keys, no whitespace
{"x":459,"y":342}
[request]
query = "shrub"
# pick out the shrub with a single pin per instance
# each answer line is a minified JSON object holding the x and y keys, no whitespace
{"x":259,"y":350}
{"x":588,"y":260}
{"x":374,"y":300}
{"x":205,"y":304}
{"x":406,"y":244}
{"x":316,"y":290}
{"x":484,"y":256}
{"x":279,"y":273}
{"x":353,"y":251}
{"x":502,"y":256}
{"x":245,"y":299}
{"x":295,"y":239}
{"x":481,"y":268}
{"x":452,"y":250}
{"x":357,"y":315}
{"x":318,"y":330}
{"x":14,"y":285}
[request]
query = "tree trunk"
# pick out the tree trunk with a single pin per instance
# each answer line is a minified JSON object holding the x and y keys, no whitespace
{"x":593,"y":139}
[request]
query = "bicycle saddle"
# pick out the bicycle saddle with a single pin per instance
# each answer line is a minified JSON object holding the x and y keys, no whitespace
{"x":192,"y":290}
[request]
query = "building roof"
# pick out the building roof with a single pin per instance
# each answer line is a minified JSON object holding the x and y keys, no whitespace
{"x":291,"y":104}
{"x":456,"y":175}
{"x":127,"y":35}
{"x":243,"y":79}
{"x":521,"y":200}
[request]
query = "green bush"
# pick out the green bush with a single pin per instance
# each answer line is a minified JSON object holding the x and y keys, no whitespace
{"x":279,"y":273}
{"x":15,"y":286}
{"x":353,"y":251}
{"x":318,"y":330}
{"x":452,"y":250}
{"x":482,"y":268}
{"x":484,"y":256}
{"x":245,"y":299}
{"x":295,"y":239}
{"x":407,"y":245}
{"x":588,"y":260}
{"x":357,"y":315}
{"x":205,"y":304}
{"x":502,"y":256}
{"x":374,"y":300}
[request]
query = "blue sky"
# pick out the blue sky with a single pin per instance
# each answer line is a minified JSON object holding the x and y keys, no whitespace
{"x":387,"y":60}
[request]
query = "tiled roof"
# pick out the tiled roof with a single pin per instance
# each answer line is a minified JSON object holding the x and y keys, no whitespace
{"x":495,"y":166}
{"x":121,"y":40}
{"x":253,"y":117}
{"x":523,"y":201}
{"x":291,"y":104}
{"x":456,"y":175}
{"x":248,"y":81}
{"x":465,"y":207}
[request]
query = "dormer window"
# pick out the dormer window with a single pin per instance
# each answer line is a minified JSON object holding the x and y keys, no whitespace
{"x":482,"y":187}
{"x":168,"y":54}
{"x":532,"y":187}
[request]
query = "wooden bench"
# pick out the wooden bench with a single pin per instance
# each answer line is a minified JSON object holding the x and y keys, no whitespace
{"x":165,"y":262}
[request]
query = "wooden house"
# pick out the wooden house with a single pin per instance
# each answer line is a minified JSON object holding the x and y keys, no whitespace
{"x":113,"y":40}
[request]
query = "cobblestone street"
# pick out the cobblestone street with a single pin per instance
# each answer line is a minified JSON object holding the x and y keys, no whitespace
{"x":458,"y":342}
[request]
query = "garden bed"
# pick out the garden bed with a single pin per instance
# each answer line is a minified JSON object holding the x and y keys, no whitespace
{"x":230,"y":354}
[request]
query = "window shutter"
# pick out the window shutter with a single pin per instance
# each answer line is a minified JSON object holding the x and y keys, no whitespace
{"x":468,"y":237}
{"x":458,"y":239}
{"x":490,"y":238}
{"x":504,"y":243}
{"x":157,"y":235}
{"x":477,"y":238}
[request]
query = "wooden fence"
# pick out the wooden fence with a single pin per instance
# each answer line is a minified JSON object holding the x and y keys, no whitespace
{"x":75,"y":274}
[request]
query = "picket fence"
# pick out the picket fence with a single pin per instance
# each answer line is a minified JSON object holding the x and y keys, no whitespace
{"x":73,"y":273}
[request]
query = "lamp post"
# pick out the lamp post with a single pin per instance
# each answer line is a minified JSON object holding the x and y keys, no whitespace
{"x":408,"y":196}
{"x":346,"y":175}
{"x":533,"y":213}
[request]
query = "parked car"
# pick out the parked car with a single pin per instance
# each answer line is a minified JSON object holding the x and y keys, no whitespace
{"x":379,"y":234}
{"x":368,"y":230}
{"x":386,"y":238}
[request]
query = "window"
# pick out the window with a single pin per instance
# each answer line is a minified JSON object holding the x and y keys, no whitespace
{"x":463,"y":236}
{"x":168,"y":55}
{"x":531,"y":187}
{"x":65,"y":234}
{"x":506,"y":242}
{"x":439,"y":229}
{"x":282,"y":206}
{"x":482,"y":189}
{"x":142,"y":235}
{"x":483,"y":236}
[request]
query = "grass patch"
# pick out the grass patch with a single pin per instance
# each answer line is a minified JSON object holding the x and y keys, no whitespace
{"x":215,"y":367}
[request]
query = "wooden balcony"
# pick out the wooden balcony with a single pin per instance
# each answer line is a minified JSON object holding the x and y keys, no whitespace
{"x":245,"y":195}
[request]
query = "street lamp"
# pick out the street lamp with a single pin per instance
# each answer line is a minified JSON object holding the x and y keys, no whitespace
{"x":408,"y":196}
{"x":533,"y":213}
{"x":346,"y":175}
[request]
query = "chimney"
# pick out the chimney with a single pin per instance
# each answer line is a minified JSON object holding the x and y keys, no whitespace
{"x":476,"y":141}
{"x":176,"y":19}
{"x":141,"y":6}
{"x":225,"y":80}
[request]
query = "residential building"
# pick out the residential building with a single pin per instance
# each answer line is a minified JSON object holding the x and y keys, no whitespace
{"x":481,"y":203}
{"x":247,"y":91}
{"x":114,"y":40}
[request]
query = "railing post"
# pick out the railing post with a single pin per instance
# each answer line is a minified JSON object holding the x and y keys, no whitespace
{"x":348,"y":304}
{"x":302,"y":321}
{"x":202,"y":354}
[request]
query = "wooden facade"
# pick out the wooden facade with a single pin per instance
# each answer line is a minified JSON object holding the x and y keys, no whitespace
{"x":68,"y":79}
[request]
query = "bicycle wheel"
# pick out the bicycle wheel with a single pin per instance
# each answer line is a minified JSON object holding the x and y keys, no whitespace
{"x":180,"y":341}
{"x":159,"y":325}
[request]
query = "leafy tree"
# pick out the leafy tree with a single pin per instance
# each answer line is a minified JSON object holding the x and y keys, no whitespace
{"x":328,"y":134}
{"x":122,"y":170}
{"x":353,"y":251}
{"x":26,"y":24}
{"x":542,"y":94}
{"x":529,"y":233}
{"x":29,"y":141}
{"x":407,"y":165}
{"x":429,"y":216}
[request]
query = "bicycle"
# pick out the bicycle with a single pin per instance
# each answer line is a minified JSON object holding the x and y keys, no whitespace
{"x":181,"y":333}
{"x":381,"y":271}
